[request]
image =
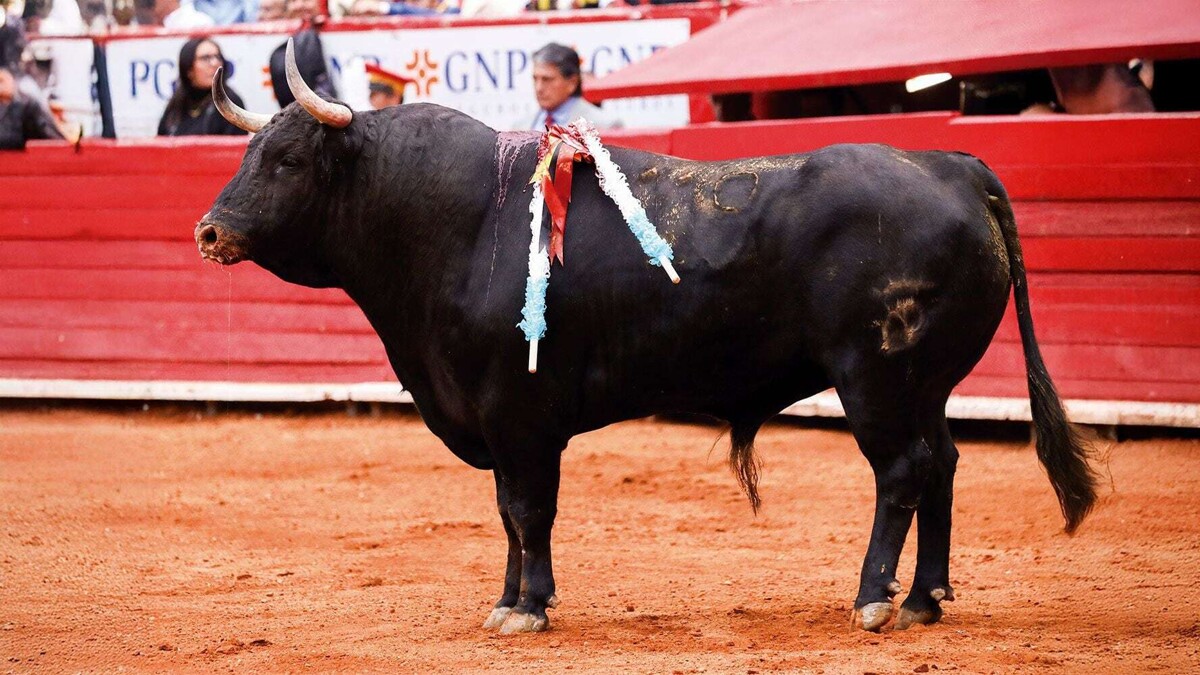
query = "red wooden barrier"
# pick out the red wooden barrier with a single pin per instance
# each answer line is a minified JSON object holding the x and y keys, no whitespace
{"x":101,"y":280}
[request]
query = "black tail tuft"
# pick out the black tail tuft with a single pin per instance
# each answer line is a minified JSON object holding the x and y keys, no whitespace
{"x":744,"y":463}
{"x":1059,"y":448}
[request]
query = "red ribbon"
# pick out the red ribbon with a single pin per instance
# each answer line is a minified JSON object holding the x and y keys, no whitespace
{"x":557,"y":189}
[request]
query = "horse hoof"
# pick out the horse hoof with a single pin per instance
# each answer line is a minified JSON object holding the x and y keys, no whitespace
{"x":497,"y":617}
{"x":873,"y":617}
{"x":520,"y":622}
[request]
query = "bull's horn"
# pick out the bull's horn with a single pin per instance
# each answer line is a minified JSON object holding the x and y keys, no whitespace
{"x":238,"y":117}
{"x":333,"y":114}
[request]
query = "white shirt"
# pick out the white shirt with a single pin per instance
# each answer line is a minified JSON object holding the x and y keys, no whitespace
{"x":570,"y":110}
{"x":64,"y":19}
{"x":187,"y":16}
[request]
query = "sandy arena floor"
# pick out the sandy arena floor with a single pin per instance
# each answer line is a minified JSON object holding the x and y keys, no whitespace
{"x":164,"y":541}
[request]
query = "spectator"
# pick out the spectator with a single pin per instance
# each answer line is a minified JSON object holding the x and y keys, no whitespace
{"x":271,"y":10}
{"x":143,"y":14}
{"x":180,"y":14}
{"x":13,"y":55}
{"x":62,"y":18}
{"x":22,"y":118}
{"x":547,"y":5}
{"x":492,"y":8}
{"x":310,"y":61}
{"x":46,"y":17}
{"x":301,"y":9}
{"x":226,"y":12}
{"x":558,"y":85}
{"x":95,"y":14}
{"x":12,"y":39}
{"x":1100,"y":89}
{"x":386,"y":8}
{"x":124,"y":12}
{"x":190,"y":111}
{"x":387,"y":88}
{"x":310,"y":57}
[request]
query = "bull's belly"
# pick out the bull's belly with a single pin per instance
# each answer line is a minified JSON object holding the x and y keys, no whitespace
{"x":726,"y":386}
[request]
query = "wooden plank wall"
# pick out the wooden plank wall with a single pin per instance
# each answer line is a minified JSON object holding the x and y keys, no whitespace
{"x":99,"y":278}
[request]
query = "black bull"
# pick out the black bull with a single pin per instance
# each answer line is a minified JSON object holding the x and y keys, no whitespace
{"x":881,"y":273}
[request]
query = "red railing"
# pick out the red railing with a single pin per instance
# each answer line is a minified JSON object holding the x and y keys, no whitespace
{"x":102,"y":280}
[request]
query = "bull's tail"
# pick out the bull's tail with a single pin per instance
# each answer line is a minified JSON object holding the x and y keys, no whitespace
{"x":743,"y":462}
{"x":1058,"y":446}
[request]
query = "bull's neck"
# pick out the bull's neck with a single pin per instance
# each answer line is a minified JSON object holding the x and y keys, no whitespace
{"x":427,"y":194}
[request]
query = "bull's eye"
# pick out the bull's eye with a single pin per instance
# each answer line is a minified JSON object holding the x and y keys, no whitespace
{"x":290,"y":162}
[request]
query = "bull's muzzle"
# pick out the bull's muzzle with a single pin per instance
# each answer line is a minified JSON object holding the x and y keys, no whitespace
{"x":220,"y":244}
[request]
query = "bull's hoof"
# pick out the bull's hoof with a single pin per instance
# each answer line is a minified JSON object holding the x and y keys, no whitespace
{"x":923,"y":610}
{"x":520,"y":622}
{"x":872,"y":617}
{"x":497,"y":617}
{"x":942,"y":593}
{"x":909,"y":617}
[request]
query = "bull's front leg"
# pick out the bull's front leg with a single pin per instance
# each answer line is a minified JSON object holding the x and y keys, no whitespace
{"x":512,"y":574}
{"x":527,"y":496}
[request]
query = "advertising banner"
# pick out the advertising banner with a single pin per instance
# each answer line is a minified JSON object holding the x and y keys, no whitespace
{"x":71,"y":81}
{"x":142,"y":73}
{"x":484,"y":71}
{"x":487,"y":72}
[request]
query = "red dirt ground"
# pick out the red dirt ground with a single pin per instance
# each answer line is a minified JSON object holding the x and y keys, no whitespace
{"x":316,"y":543}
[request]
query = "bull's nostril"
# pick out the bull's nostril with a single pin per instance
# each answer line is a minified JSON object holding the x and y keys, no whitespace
{"x":219,"y":243}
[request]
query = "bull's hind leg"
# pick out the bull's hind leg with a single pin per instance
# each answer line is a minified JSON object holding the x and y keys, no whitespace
{"x":887,"y":431}
{"x":931,"y":583}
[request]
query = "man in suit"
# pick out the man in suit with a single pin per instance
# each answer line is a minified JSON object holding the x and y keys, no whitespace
{"x":558,"y":85}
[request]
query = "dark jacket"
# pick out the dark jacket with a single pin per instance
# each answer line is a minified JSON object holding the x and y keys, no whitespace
{"x":12,"y":41}
{"x":310,"y":60}
{"x":22,"y":120}
{"x":198,"y":117}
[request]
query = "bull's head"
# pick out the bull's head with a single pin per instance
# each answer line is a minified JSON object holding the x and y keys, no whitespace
{"x":270,"y":211}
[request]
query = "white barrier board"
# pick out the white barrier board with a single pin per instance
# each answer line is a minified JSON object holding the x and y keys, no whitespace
{"x":825,"y":404}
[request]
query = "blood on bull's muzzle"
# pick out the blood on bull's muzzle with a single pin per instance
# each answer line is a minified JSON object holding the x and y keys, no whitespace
{"x":220,"y":244}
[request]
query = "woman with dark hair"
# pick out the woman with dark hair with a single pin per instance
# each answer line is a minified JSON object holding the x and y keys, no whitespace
{"x":191,"y":112}
{"x":558,"y":86}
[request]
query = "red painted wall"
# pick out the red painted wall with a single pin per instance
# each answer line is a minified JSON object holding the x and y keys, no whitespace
{"x":99,"y":278}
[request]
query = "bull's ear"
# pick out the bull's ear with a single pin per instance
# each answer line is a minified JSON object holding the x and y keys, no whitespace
{"x":343,"y":144}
